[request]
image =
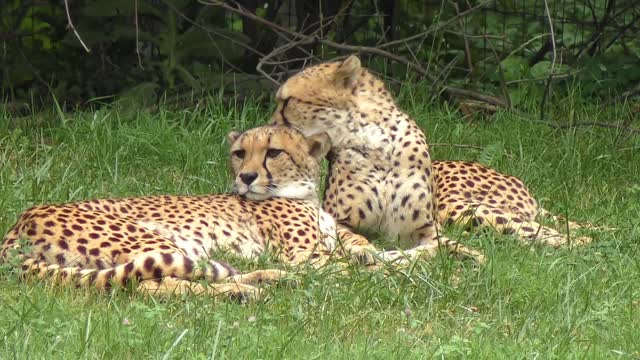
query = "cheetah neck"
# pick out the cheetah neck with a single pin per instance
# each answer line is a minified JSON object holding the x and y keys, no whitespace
{"x":372,"y":120}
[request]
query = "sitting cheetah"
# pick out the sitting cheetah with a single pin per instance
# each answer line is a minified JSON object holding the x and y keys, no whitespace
{"x":381,"y":175}
{"x":108,"y":241}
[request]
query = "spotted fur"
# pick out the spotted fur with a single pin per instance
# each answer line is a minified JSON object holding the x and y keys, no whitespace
{"x":171,"y":238}
{"x":381,"y":174}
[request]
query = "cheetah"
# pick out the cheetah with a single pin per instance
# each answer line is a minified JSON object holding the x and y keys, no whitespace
{"x":381,"y":174}
{"x":165,"y":242}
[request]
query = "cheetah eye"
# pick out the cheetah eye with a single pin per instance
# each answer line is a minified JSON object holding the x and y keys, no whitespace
{"x":239,"y":154}
{"x":272,"y":153}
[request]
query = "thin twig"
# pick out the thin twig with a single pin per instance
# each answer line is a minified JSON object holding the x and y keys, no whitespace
{"x":70,"y":26}
{"x":435,"y":29}
{"x":241,"y":11}
{"x":273,"y":53}
{"x":381,"y":23}
{"x":621,"y":31}
{"x":589,"y":47}
{"x":547,"y":90}
{"x":18,"y":35}
{"x":465,"y":146}
{"x":503,"y":80}
{"x":33,"y":68}
{"x":603,"y":124}
{"x":135,"y":21}
{"x":307,"y":39}
{"x":635,"y":91}
{"x":444,"y":74}
{"x":452,"y":91}
{"x":462,"y":146}
{"x":481,"y":36}
{"x":555,"y":77}
{"x":210,"y":31}
{"x":467,"y":50}
{"x":595,"y":123}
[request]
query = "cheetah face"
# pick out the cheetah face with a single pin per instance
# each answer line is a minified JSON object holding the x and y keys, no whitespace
{"x":276,"y":161}
{"x":319,"y":98}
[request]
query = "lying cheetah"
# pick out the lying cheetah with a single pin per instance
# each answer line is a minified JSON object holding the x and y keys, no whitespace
{"x":107,"y":241}
{"x":381,"y":174}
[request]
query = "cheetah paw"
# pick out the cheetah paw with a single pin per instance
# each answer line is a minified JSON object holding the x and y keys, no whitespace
{"x":580,"y":240}
{"x":269,"y":276}
{"x":362,"y":255}
{"x":473,"y":255}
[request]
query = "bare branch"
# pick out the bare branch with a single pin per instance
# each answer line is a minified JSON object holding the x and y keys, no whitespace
{"x":210,"y":31}
{"x":467,"y":50}
{"x":73,"y":28}
{"x":309,"y":39}
{"x":461,"y":146}
{"x":503,"y":80}
{"x":273,"y":53}
{"x":33,"y":68}
{"x":435,"y":29}
{"x":596,"y":123}
{"x":547,"y":90}
{"x":577,"y":124}
{"x":135,"y":21}
{"x":241,"y":11}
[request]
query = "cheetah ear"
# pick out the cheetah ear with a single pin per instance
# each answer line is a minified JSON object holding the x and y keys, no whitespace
{"x":347,"y":74}
{"x":233,"y":136}
{"x":319,"y":145}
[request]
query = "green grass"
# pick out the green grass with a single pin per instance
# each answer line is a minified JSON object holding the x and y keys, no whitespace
{"x":525,"y":303}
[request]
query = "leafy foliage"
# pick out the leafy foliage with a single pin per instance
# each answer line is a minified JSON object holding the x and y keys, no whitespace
{"x":185,"y":47}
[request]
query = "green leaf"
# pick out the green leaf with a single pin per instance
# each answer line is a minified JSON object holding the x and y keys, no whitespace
{"x":540,"y":70}
{"x":518,"y":95}
{"x":491,"y":153}
{"x":514,"y":68}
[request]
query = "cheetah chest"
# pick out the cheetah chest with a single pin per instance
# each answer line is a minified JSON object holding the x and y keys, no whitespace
{"x":328,"y":230}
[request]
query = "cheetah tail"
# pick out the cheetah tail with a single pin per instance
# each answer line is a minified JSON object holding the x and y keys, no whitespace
{"x":562,"y":223}
{"x":151,"y":266}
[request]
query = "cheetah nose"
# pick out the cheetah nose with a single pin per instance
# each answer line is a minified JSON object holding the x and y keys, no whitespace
{"x":248,"y":178}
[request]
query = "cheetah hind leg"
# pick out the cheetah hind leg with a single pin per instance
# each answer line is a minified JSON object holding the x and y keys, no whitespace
{"x":508,"y":223}
{"x":269,"y":276}
{"x":170,"y":286}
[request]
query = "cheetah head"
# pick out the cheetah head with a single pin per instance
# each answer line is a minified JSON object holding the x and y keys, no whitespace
{"x":277,"y":161}
{"x":329,"y":97}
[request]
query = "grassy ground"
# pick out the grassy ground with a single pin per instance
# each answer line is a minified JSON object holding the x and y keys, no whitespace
{"x":525,"y":303}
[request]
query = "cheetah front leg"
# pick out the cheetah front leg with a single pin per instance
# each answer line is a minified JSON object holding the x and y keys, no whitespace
{"x":429,"y":249}
{"x":356,"y":246}
{"x":315,"y":258}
